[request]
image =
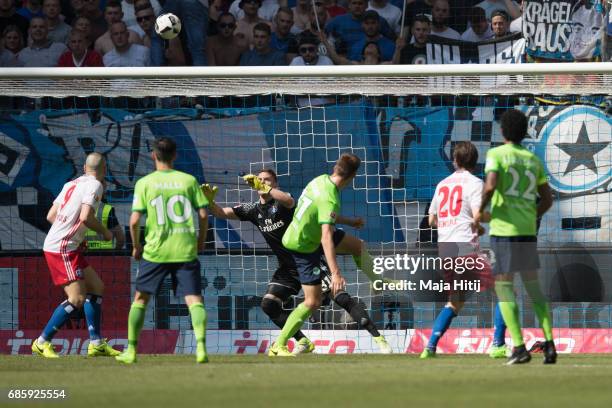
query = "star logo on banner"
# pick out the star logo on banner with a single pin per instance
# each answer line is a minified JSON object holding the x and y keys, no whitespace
{"x":582,"y":152}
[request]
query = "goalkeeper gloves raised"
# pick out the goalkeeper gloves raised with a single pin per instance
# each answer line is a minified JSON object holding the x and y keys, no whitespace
{"x":256,"y":184}
{"x":209,"y":192}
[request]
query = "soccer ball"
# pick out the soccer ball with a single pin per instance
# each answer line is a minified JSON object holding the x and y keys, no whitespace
{"x":167,"y":26}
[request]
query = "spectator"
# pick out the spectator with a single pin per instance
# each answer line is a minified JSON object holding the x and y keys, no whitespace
{"x":370,"y":55}
{"x":194,"y":18}
{"x":262,"y":54}
{"x":58,"y":30}
{"x":113,"y":14}
{"x":125,"y":54}
{"x":322,"y":14}
{"x":129,"y":11}
{"x":31,"y":8}
{"x":509,"y":6}
{"x":500,"y":24}
{"x":282,"y":38}
{"x":308,"y":52}
{"x":245,"y":25}
{"x":91,"y":10}
{"x":76,"y":8}
{"x":415,"y":8}
{"x":440,"y":14}
{"x":84,"y":25}
{"x":13,"y":43}
{"x":8,"y":16}
{"x":479,"y":29}
{"x":391,"y":13}
{"x":162,"y":52}
{"x":332,"y":8}
{"x":42,"y":52}
{"x":224,"y":49}
{"x":267,"y":11}
{"x":79,"y":55}
{"x":347,"y":29}
{"x":416,"y":52}
{"x":301,"y":16}
{"x":516,"y":26}
{"x":371,"y":28}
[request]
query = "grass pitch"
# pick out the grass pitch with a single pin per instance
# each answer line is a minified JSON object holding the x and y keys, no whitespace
{"x":313,"y":380}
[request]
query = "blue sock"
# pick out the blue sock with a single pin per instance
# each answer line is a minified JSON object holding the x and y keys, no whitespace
{"x":93,"y":310}
{"x":499,"y":335}
{"x":57,"y":320}
{"x":442,"y":323}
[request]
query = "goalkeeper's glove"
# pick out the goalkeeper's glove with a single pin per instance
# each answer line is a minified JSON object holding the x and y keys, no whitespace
{"x":256,"y":184}
{"x":209,"y":192}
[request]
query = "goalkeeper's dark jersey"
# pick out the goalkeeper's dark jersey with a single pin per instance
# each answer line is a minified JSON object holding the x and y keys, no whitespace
{"x":272,"y":219}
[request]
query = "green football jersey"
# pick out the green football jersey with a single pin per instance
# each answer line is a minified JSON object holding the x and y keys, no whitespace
{"x":319,"y":204}
{"x":513,"y":205}
{"x":168,"y":198}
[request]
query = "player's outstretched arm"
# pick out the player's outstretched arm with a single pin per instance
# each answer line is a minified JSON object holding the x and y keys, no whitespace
{"x":135,"y":234}
{"x":261,"y":187}
{"x":283,"y":198}
{"x":52,"y":213}
{"x":356,"y":222}
{"x":210,"y":192}
{"x":88,"y":217}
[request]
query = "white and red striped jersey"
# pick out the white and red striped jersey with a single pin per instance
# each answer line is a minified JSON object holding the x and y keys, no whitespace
{"x":453,"y":201}
{"x":67,"y":232}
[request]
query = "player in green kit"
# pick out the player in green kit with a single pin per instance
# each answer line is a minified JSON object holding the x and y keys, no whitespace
{"x":515,"y":177}
{"x":312,"y":234}
{"x":168,"y":198}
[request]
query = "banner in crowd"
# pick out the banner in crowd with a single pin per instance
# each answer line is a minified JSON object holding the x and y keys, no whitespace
{"x":406,"y":152}
{"x":455,"y":341}
{"x":505,"y":50}
{"x":568,"y":30}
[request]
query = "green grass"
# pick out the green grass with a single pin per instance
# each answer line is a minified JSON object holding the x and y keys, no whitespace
{"x":315,"y":380}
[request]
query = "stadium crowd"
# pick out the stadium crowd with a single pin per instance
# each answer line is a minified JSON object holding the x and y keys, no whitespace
{"x":77,"y":33}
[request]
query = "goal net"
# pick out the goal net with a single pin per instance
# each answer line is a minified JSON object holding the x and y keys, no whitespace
{"x":402,"y":121}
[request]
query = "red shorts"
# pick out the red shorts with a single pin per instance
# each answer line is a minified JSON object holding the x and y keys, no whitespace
{"x":67,"y":267}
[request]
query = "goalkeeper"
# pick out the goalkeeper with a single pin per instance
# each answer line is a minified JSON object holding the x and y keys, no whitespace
{"x":272,"y":214}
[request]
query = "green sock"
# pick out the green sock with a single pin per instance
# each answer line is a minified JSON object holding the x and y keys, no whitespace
{"x":135,"y":322}
{"x":510,"y":312}
{"x":540,"y":306}
{"x":366,"y":264}
{"x":294,"y":322}
{"x":198,"y":321}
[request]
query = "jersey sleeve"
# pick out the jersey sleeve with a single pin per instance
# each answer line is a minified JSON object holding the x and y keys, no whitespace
{"x":492,"y":164}
{"x":60,"y":197}
{"x":138,"y":203}
{"x":198,"y":199}
{"x":93,"y":195}
{"x":245,"y":212}
{"x":541,"y":177}
{"x":327,"y":211}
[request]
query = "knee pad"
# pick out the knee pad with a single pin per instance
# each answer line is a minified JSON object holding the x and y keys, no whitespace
{"x":271,"y":307}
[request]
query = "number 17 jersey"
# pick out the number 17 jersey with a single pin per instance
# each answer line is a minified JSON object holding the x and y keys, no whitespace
{"x":454,"y":200}
{"x":168,"y":198}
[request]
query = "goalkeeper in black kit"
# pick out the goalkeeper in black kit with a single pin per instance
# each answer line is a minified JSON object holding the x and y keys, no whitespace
{"x":272,"y":214}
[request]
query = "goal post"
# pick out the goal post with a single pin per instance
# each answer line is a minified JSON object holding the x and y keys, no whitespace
{"x":402,"y":121}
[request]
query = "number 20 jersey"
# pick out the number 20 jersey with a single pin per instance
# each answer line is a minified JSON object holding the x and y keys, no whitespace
{"x":168,"y":198}
{"x":453,"y":201}
{"x":67,"y":232}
